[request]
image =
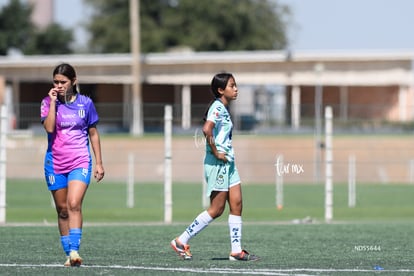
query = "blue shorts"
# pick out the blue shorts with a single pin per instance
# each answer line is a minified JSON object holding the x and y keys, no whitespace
{"x":219,"y":176}
{"x":60,"y":181}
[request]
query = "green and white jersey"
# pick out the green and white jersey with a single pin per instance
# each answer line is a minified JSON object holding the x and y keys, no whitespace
{"x":223,"y":127}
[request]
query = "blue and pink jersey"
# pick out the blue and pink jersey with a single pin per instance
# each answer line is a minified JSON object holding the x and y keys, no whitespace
{"x":68,"y":145}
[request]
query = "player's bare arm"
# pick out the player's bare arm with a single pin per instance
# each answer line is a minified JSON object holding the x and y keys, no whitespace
{"x":99,"y":172}
{"x":208,"y":134}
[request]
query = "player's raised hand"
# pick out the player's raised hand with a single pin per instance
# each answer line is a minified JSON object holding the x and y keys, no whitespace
{"x":53,"y":92}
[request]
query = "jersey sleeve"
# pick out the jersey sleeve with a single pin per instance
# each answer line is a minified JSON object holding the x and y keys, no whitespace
{"x":93,"y":117}
{"x":214,"y":113}
{"x":44,"y":108}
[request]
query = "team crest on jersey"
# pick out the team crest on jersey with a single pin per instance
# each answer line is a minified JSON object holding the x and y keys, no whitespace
{"x":220,"y":179}
{"x":81,"y":113}
{"x":221,"y":175}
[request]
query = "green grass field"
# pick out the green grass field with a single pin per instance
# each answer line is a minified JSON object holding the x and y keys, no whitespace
{"x":29,"y":201}
{"x":133,"y":241}
{"x":315,"y":249}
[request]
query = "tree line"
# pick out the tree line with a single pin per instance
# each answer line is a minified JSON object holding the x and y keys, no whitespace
{"x":204,"y":25}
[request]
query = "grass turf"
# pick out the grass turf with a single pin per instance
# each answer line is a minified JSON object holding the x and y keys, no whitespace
{"x":314,"y":249}
{"x":29,"y":201}
{"x":377,"y":232}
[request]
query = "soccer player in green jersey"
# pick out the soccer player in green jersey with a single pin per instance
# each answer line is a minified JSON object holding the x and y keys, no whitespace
{"x":220,"y":172}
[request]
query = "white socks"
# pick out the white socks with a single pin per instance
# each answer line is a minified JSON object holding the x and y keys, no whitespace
{"x":235,"y":226}
{"x":200,"y":222}
{"x":204,"y":219}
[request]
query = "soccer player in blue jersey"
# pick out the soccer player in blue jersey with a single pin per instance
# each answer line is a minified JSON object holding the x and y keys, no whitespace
{"x":220,"y":172}
{"x":70,"y":121}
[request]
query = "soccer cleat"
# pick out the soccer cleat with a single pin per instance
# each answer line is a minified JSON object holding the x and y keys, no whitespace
{"x":183,"y":250}
{"x":67,"y":262}
{"x":243,"y":256}
{"x":75,"y":259}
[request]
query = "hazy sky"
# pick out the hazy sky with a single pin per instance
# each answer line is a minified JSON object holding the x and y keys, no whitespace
{"x":352,"y":24}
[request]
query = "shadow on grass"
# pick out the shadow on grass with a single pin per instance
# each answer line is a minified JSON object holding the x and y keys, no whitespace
{"x":220,"y":259}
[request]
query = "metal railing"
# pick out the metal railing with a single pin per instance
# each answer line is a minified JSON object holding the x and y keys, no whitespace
{"x":115,"y":117}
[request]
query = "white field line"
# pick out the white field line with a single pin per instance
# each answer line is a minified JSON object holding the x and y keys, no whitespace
{"x":280,"y":272}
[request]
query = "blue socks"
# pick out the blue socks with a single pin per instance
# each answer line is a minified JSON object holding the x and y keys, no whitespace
{"x":65,"y":241}
{"x":72,"y":241}
{"x":75,"y":236}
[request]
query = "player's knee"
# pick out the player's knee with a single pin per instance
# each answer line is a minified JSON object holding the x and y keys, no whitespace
{"x":216,"y":212}
{"x":74,"y":205}
{"x":62,"y":210}
{"x":74,"y":208}
{"x":63,"y":214}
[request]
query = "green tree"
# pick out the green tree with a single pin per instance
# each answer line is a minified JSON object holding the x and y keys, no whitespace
{"x":203,"y":25}
{"x":16,"y":28}
{"x":53,"y":40}
{"x":18,"y":32}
